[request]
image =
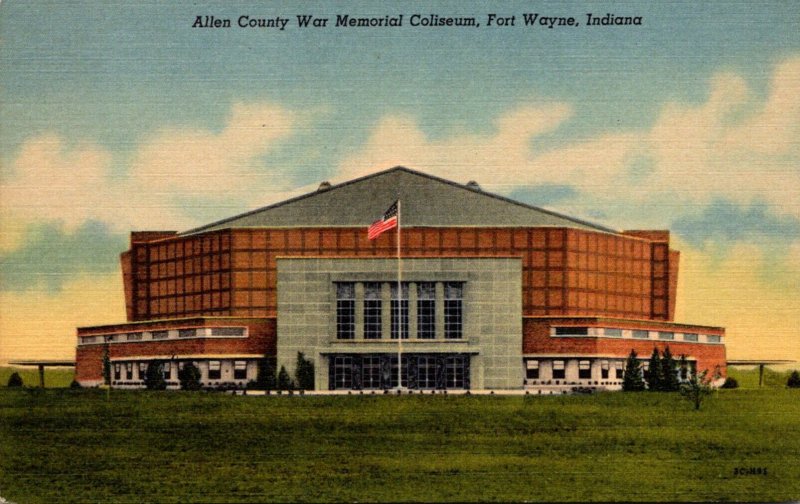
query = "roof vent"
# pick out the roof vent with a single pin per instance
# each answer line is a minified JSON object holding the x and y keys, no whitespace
{"x":473,"y":185}
{"x":324,"y":186}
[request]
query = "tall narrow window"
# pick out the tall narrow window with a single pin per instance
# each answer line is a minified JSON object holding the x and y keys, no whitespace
{"x":619,"y":372}
{"x":532,"y":369}
{"x":453,"y":310}
{"x":584,"y":369}
{"x":345,"y":310}
{"x":117,"y":371}
{"x":426,"y":310}
{"x":558,"y":370}
{"x":372,"y":311}
{"x":604,"y":369}
{"x":400,"y":312}
{"x":142,"y":370}
{"x":454,"y":371}
{"x":167,"y":371}
{"x":129,"y":370}
{"x":214,"y":372}
{"x":343,"y":372}
{"x":426,"y":372}
{"x":371,"y":372}
{"x":239,"y":370}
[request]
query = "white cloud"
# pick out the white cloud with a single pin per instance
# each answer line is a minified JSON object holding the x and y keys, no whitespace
{"x":51,"y":180}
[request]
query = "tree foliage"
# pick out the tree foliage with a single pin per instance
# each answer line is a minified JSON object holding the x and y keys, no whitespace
{"x":632,"y":377}
{"x":654,"y":374}
{"x":154,"y":376}
{"x":697,"y":388}
{"x":669,"y":379}
{"x":189,"y":377}
{"x":265,"y":380}
{"x":794,"y":380}
{"x":15,"y":380}
{"x":106,"y":366}
{"x":284,"y":381}
{"x":304,"y":373}
{"x":730,"y":383}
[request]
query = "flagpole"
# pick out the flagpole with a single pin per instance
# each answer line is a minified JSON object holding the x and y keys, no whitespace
{"x":399,"y":304}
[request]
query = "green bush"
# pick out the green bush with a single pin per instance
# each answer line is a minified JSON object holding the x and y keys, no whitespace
{"x":730,"y":383}
{"x":632,"y":378}
{"x":154,"y":376}
{"x":284,"y":382}
{"x":15,"y":380}
{"x":304,"y":373}
{"x":794,"y":380}
{"x":75,"y":385}
{"x":189,"y":377}
{"x":266,"y":375}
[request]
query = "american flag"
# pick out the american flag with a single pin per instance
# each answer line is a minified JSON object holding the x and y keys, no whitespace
{"x":388,"y":222}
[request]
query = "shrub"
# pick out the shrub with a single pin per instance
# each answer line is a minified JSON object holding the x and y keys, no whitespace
{"x":154,"y":376}
{"x":75,"y":385}
{"x":669,"y":379}
{"x":632,"y":378}
{"x":304,"y":373}
{"x":106,"y":366}
{"x":189,"y":377}
{"x":794,"y":380}
{"x":697,"y":388}
{"x":653,"y":375}
{"x":284,"y":382}
{"x":15,"y":380}
{"x":730,"y":383}
{"x":266,"y":374}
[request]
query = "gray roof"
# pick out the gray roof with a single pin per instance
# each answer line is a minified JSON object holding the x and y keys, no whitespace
{"x":425,"y":201}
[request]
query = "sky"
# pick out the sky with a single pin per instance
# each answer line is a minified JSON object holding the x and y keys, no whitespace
{"x":120,"y":116}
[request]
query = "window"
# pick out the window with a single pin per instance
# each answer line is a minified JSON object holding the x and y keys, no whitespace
{"x":572,"y":331}
{"x":426,"y":372}
{"x":426,"y":310}
{"x":641,"y":334}
{"x":111,"y":337}
{"x":214,"y":372}
{"x":134,"y":337}
{"x":400,"y":309}
{"x":239,"y":370}
{"x":371,"y":372}
{"x":142,"y":370}
{"x":227,"y":331}
{"x":345,"y":310}
{"x":167,"y":371}
{"x":663,"y":335}
{"x":532,"y":369}
{"x":129,"y":370}
{"x":454,"y":371}
{"x":117,"y":371}
{"x":88,"y":339}
{"x":613,"y":333}
{"x":711,"y":338}
{"x":343,"y":372}
{"x":684,"y":372}
{"x":372,"y":311}
{"x":689,"y":337}
{"x":584,"y":369}
{"x":618,"y":370}
{"x":187,"y":333}
{"x":453,"y":310}
{"x":558,"y":370}
{"x":160,"y":334}
{"x":392,"y":382}
{"x":604,"y":369}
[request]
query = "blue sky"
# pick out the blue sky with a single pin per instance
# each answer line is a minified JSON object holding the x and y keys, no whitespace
{"x":120,"y":116}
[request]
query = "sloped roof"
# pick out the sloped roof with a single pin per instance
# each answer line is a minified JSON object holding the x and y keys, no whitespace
{"x":425,"y":201}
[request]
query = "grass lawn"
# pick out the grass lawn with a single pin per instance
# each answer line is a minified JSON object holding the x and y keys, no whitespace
{"x":61,"y":445}
{"x":53,"y":377}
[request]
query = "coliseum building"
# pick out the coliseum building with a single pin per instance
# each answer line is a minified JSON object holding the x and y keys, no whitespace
{"x":495,"y":294}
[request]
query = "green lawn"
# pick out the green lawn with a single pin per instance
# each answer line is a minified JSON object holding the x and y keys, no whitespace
{"x":53,"y":377}
{"x":65,"y":445}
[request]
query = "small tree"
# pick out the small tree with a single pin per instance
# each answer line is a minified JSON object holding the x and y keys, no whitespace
{"x":304,"y":374}
{"x":266,"y":374}
{"x":284,"y":382}
{"x":15,"y":380}
{"x":154,"y":376}
{"x":684,"y":369}
{"x":189,"y":377}
{"x":697,"y":388}
{"x":670,"y":381}
{"x":654,"y":375}
{"x":794,"y":380}
{"x":106,"y":366}
{"x":632,"y":377}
